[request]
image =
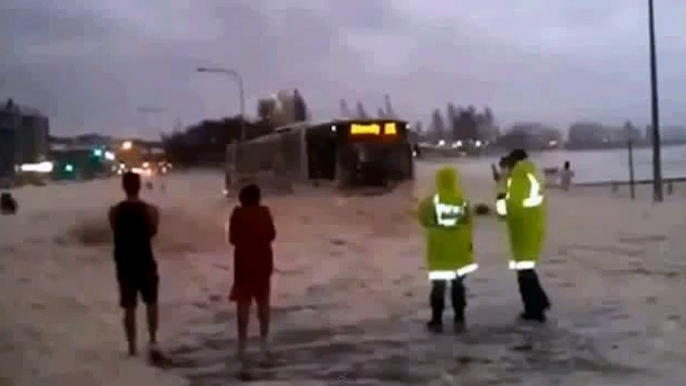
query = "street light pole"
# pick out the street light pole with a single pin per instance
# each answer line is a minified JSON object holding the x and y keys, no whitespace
{"x":241,"y":95}
{"x":241,"y":92}
{"x":657,"y":157}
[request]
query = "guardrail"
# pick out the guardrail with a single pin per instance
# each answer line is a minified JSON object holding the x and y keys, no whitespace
{"x":668,"y":183}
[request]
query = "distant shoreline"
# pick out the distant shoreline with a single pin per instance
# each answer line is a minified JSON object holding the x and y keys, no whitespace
{"x":432,"y":153}
{"x":616,"y":146}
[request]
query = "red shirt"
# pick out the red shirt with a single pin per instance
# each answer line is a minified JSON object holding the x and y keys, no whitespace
{"x":251,"y":232}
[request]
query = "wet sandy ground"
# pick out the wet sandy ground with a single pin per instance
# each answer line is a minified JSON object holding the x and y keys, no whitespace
{"x":351,"y":294}
{"x":399,"y":352}
{"x":611,"y":318}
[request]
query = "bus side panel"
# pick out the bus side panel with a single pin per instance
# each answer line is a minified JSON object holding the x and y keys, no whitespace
{"x":398,"y":162}
{"x":322,"y":153}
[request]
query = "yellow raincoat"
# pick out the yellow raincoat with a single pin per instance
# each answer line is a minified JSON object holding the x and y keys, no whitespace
{"x":447,"y":221}
{"x":524,"y":210}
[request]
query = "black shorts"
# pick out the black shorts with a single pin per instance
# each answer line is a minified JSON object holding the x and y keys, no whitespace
{"x":132,"y":283}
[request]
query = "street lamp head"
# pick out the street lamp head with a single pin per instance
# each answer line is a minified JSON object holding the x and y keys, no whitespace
{"x":220,"y":70}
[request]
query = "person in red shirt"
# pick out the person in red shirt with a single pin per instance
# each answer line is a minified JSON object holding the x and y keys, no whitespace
{"x":251,"y":231}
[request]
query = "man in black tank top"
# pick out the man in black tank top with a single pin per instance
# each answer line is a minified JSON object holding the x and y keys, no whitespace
{"x":134,"y":223}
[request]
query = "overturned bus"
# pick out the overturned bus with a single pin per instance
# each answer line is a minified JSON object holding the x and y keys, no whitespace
{"x":349,"y":153}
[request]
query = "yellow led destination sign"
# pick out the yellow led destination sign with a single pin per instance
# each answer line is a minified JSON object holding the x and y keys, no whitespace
{"x":359,"y":129}
{"x":373,"y":129}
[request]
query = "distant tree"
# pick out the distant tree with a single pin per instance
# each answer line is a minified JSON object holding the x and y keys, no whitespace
{"x":586,"y":135}
{"x":515,"y":139}
{"x":205,"y":142}
{"x":437,"y":126}
{"x":361,"y":112}
{"x":631,"y":132}
{"x":489,"y":129}
{"x":381,"y":114}
{"x":465,"y":126}
{"x":413,"y":136}
{"x":471,"y":110}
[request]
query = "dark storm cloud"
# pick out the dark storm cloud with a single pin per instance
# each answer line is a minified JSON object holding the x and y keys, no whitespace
{"x":89,"y":64}
{"x":30,"y":23}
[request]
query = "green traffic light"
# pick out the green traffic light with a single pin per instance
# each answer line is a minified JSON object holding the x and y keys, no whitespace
{"x":68,"y":168}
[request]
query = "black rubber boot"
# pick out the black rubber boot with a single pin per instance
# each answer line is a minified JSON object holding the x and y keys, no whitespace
{"x":437,"y":301}
{"x":534,"y":298}
{"x":434,"y":326}
{"x":458,"y":293}
{"x":540,"y":318}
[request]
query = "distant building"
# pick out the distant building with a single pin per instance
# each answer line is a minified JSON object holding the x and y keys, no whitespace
{"x":283,"y":108}
{"x":532,"y":136}
{"x":6,"y":155}
{"x":92,"y":139}
{"x":591,"y":135}
{"x":669,"y":134}
{"x":24,"y":135}
{"x":620,"y":135}
{"x":583,"y":135}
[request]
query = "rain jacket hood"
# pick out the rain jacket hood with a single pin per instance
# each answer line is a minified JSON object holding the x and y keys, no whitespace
{"x":448,"y":185}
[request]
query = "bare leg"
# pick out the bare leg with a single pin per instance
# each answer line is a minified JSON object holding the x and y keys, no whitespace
{"x":243,"y":316}
{"x":263,"y":315}
{"x":130,"y":329}
{"x":154,"y":353}
{"x":152,"y":313}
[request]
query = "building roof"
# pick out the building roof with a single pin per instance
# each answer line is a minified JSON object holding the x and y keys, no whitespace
{"x":13,"y":107}
{"x":336,"y":121}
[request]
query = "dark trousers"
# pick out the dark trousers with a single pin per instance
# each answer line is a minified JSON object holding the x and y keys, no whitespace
{"x":458,"y":296}
{"x":535,"y":300}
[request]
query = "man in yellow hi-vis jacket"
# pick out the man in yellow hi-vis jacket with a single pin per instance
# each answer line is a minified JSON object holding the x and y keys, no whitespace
{"x":447,"y":223}
{"x":522,"y":203}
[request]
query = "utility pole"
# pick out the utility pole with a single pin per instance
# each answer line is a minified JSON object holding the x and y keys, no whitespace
{"x":657,"y":157}
{"x":629,"y":132}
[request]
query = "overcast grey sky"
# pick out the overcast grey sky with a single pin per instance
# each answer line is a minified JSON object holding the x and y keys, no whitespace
{"x":89,"y":64}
